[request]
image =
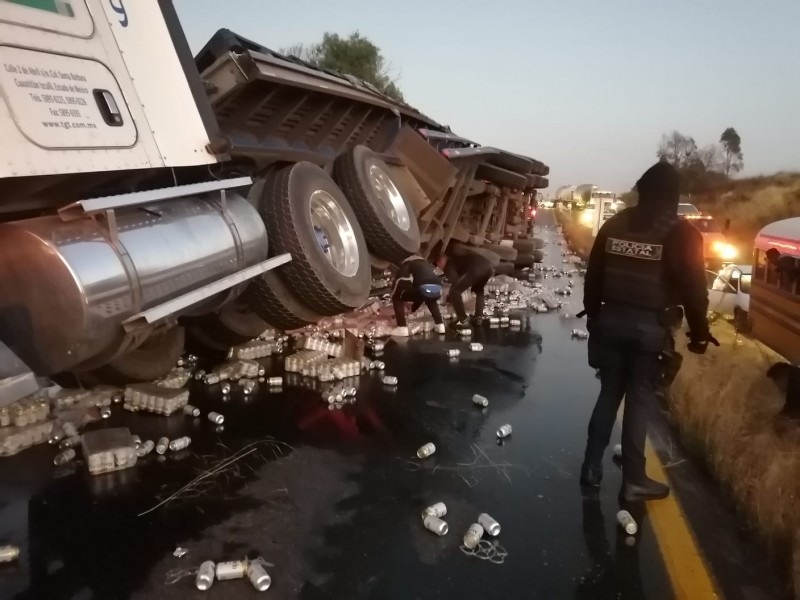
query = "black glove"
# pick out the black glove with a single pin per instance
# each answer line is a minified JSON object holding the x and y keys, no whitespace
{"x":698,"y":345}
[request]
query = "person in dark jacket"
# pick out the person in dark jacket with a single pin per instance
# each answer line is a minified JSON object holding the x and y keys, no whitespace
{"x":645,"y":262}
{"x":469,"y":270}
{"x":416,"y":282}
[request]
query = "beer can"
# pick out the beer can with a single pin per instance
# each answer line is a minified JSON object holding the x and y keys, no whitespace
{"x":233,"y":569}
{"x":479,"y":400}
{"x":145,"y":449}
{"x":180,"y":443}
{"x":437,"y":510}
{"x":436,"y":525}
{"x":453,"y":352}
{"x":205,"y":576}
{"x":162,"y":445}
{"x":275,"y":381}
{"x":473,"y":535}
{"x":426,"y":450}
{"x":64,"y":457}
{"x":476,"y":347}
{"x":191,"y":411}
{"x":504,"y":431}
{"x":490,"y":525}
{"x":258,"y":576}
{"x":389,"y":380}
{"x":216,"y":418}
{"x":627,"y":522}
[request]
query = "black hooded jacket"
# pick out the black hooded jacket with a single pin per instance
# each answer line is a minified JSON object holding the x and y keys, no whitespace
{"x":683,"y":261}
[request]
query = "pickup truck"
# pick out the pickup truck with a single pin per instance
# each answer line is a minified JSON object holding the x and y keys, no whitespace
{"x":148,"y":195}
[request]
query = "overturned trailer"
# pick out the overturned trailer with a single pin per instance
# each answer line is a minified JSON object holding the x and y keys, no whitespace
{"x":147,"y":193}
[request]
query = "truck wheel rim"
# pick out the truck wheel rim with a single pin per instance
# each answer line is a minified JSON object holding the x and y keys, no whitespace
{"x":390,"y":196}
{"x":332,"y":225}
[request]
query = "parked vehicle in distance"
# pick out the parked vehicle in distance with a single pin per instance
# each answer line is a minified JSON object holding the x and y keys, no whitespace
{"x":775,"y":292}
{"x":729,"y":294}
{"x":718,"y":252}
{"x":686,"y":209}
{"x":548,"y":204}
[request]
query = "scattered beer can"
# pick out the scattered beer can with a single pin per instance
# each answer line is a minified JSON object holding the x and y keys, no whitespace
{"x":479,"y":400}
{"x":180,"y":443}
{"x":248,"y":386}
{"x":71,"y":442}
{"x":579,"y":334}
{"x":137,"y":441}
{"x":435,"y":525}
{"x":8,"y":553}
{"x":437,"y":510}
{"x":191,"y":411}
{"x":453,"y":352}
{"x":275,"y":381}
{"x":476,"y":347}
{"x":504,"y":431}
{"x":64,"y":457}
{"x":494,"y":321}
{"x":490,"y":525}
{"x":627,"y":522}
{"x":618,"y":450}
{"x":225,"y":388}
{"x":216,"y":418}
{"x":426,"y":450}
{"x":145,"y":449}
{"x":380,"y":365}
{"x":233,"y":569}
{"x":515,"y":323}
{"x":258,"y":576}
{"x":205,"y":576}
{"x":473,"y":535}
{"x":210,"y":379}
{"x":389,"y":380}
{"x":200,"y":374}
{"x":105,"y":412}
{"x":465,"y":332}
{"x":162,"y":446}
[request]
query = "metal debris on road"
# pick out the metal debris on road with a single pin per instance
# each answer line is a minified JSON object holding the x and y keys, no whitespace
{"x":435,"y":525}
{"x":426,"y":450}
{"x":205,"y":576}
{"x":627,"y":522}
{"x":504,"y":431}
{"x":437,"y":510}
{"x":473,"y":535}
{"x":232,"y":569}
{"x":489,"y":524}
{"x":479,"y":400}
{"x":179,"y":552}
{"x":9,"y":553}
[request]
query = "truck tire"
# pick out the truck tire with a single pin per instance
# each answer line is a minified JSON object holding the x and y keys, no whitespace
{"x":273,"y":301}
{"x":538,"y":256}
{"x":524,"y":261}
{"x":529,"y":245}
{"x":504,"y":252}
{"x":501,"y":177}
{"x":235,"y":324}
{"x":156,"y":357}
{"x":542,"y":183}
{"x":461,"y":249}
{"x":504,"y":268}
{"x":387,"y":219}
{"x":308,"y":216}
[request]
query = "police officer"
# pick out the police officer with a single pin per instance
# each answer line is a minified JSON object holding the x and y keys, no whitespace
{"x":644,"y":262}
{"x":469,"y":270}
{"x":416,"y":282}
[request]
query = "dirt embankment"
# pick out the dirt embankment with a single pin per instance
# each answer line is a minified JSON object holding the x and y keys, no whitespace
{"x":750,"y":204}
{"x":728,"y":414}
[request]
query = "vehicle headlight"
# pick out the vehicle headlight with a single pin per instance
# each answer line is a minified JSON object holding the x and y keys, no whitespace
{"x":587,"y":217}
{"x":724,"y":250}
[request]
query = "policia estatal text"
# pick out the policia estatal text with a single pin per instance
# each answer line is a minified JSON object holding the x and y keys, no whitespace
{"x":644,"y":263}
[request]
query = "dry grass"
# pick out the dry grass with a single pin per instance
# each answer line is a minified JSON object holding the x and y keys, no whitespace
{"x":752,"y":203}
{"x":725,"y":405}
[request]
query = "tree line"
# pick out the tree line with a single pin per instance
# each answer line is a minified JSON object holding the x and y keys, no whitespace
{"x":702,"y":167}
{"x":353,"y":55}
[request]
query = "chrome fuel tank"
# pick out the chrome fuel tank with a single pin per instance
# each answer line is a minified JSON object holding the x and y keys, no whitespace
{"x":66,"y":288}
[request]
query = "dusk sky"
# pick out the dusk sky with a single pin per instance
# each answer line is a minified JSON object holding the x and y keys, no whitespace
{"x":587,"y":87}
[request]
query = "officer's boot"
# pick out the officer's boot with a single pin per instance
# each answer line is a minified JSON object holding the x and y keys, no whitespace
{"x":592,"y":469}
{"x":642,"y":488}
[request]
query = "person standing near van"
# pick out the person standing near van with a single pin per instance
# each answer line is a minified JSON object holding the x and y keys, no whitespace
{"x":644,"y":263}
{"x":416,"y":282}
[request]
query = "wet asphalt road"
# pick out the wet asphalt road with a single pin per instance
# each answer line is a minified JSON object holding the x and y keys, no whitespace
{"x":332,"y":498}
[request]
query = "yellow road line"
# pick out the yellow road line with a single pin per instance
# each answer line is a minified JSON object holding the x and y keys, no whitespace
{"x":691,"y":579}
